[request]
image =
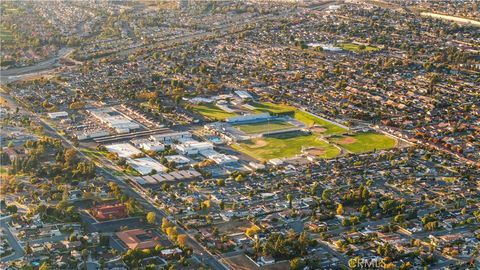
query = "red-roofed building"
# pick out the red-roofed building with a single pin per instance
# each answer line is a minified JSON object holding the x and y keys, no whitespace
{"x":111,"y":211}
{"x":138,"y":239}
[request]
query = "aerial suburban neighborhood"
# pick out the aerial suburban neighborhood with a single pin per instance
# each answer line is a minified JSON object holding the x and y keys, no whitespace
{"x":289,"y":134}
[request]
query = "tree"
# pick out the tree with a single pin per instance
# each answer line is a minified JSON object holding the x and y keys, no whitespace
{"x":172,"y":232}
{"x":340,"y":209}
{"x":69,"y":156}
{"x":28,"y":249}
{"x":12,"y":208}
{"x":252,"y":231}
{"x":296,"y":264}
{"x":257,"y":246}
{"x":346,"y":222}
{"x":84,"y":254}
{"x":44,"y":266}
{"x":326,"y":195}
{"x":221,"y":204}
{"x":239,"y":178}
{"x":399,"y":218}
{"x":182,"y":240}
{"x":165,"y":224}
{"x":206,"y":204}
{"x":289,"y":198}
{"x":4,"y":159}
{"x":151,"y":216}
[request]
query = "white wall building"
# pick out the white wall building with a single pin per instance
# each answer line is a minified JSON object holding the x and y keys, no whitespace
{"x":146,"y":165}
{"x":247,"y":117}
{"x":114,"y":119}
{"x":178,"y":159}
{"x":168,"y":137}
{"x":90,"y":134}
{"x":123,"y":149}
{"x":243,"y":94}
{"x":152,"y":146}
{"x":217,"y":157}
{"x":55,"y":115}
{"x":193,"y":147}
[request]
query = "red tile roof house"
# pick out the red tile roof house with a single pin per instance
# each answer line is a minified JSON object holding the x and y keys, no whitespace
{"x":111,"y":211}
{"x":138,"y":239}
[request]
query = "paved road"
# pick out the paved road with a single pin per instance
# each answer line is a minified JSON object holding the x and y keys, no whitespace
{"x":45,"y":67}
{"x":12,"y":240}
{"x":105,"y":170}
{"x":15,"y":74}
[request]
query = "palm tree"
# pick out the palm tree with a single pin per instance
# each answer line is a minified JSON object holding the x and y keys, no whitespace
{"x":257,"y":245}
{"x":289,"y":198}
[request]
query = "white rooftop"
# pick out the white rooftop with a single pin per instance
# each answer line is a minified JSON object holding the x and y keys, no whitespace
{"x":123,"y":149}
{"x":146,"y":165}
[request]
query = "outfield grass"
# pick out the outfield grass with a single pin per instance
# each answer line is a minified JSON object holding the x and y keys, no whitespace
{"x":299,"y":115}
{"x":269,"y":107}
{"x":356,"y":47}
{"x":261,"y":127}
{"x":365,"y":142}
{"x":311,"y":120}
{"x":269,"y":147}
{"x":212,"y":112}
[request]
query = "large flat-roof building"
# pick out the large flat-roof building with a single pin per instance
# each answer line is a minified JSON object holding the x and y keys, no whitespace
{"x":110,"y":211}
{"x":193,"y":147}
{"x":178,"y":159}
{"x":172,"y":136}
{"x":138,"y":239}
{"x":55,"y":115}
{"x":218,"y":157}
{"x":125,"y":150}
{"x":243,"y":94}
{"x":148,"y":144}
{"x":114,"y":119}
{"x":146,"y":165}
{"x":248,"y":118}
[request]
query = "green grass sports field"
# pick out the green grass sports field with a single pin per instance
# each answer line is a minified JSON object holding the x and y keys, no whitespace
{"x":302,"y":116}
{"x":212,"y":112}
{"x":275,"y":147}
{"x":365,"y":142}
{"x":357,"y":48}
{"x":262,"y":127}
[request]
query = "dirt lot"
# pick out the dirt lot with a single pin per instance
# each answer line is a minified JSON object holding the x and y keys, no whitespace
{"x":316,"y":151}
{"x":234,"y":226}
{"x":347,"y":140}
{"x":318,"y":129}
{"x":240,"y":262}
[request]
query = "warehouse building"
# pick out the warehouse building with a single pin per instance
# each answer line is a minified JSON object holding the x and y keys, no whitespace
{"x":248,"y":118}
{"x":170,"y":137}
{"x":193,"y":147}
{"x":114,"y":119}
